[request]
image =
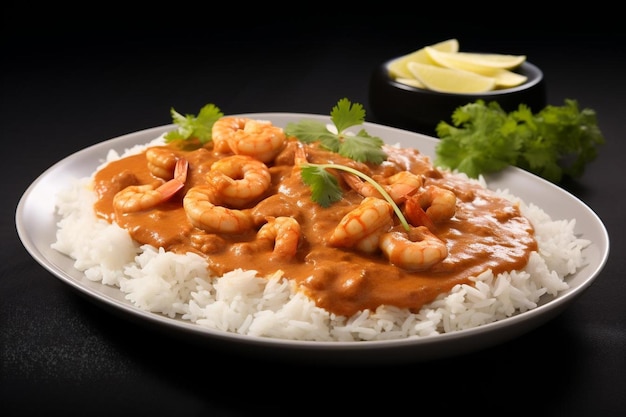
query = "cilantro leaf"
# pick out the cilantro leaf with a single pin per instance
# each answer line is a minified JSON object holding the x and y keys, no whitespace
{"x":363,"y":147}
{"x":346,"y":114}
{"x":360,"y":147}
{"x":325,"y":188}
{"x":468,"y":149}
{"x":309,"y":131}
{"x":558,"y":141}
{"x":194,"y":127}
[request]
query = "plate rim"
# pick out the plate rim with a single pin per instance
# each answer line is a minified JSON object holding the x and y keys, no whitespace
{"x":410,"y":348}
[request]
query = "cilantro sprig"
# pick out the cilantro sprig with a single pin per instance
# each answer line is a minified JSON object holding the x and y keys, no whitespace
{"x":194,"y":127}
{"x":325,"y":188}
{"x":360,"y":146}
{"x":558,"y":141}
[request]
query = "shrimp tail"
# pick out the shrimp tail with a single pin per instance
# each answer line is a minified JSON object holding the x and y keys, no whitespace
{"x":181,"y":169}
{"x":416,"y":215}
{"x":171,"y":187}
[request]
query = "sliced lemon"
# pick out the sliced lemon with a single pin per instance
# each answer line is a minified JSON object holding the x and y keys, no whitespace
{"x":504,"y":78}
{"x":507,"y":79}
{"x":413,"y":82}
{"x":398,"y":69}
{"x":448,"y":80}
{"x":475,"y":62}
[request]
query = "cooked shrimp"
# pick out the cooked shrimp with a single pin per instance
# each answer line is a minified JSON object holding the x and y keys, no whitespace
{"x":223,"y":129}
{"x":416,"y":215}
{"x":144,"y":197}
{"x":299,"y":155}
{"x":399,"y":186}
{"x":284,"y":232}
{"x":200,"y":204}
{"x":429,"y":206}
{"x":363,"y":225}
{"x":299,"y":159}
{"x":207,"y":242}
{"x":438,"y":203}
{"x":259,"y":139}
{"x":161,"y":162}
{"x":417,"y":250}
{"x":239,"y":179}
{"x":287,"y":155}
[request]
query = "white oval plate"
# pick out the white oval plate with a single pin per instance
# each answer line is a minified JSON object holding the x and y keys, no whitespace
{"x":36,"y":226}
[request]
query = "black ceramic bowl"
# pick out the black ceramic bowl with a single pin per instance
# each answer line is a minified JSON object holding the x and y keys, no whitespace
{"x":420,"y":110}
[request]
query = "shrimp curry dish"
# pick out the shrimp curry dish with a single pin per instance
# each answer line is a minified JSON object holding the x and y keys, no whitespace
{"x":241,"y":201}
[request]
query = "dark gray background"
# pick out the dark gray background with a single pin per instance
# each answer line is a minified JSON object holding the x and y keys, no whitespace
{"x":68,"y":83}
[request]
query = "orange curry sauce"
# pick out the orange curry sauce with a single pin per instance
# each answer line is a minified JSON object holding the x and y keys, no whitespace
{"x":487,"y":231}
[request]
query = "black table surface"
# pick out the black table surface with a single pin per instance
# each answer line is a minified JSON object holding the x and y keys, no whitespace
{"x":64,"y":90}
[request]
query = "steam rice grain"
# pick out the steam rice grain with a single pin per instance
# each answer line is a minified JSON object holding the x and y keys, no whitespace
{"x":241,"y":302}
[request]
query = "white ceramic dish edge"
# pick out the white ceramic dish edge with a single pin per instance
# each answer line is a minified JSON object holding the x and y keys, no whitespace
{"x":36,"y":227}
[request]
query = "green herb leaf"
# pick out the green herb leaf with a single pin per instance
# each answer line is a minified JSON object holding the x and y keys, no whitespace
{"x":325,"y":188}
{"x":309,"y":131}
{"x":346,"y":114}
{"x":360,"y":147}
{"x":194,"y":127}
{"x":558,"y":141}
{"x":363,"y":147}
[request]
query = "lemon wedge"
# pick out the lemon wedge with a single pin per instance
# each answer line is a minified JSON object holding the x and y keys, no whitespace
{"x":507,"y":79}
{"x":398,"y":67}
{"x":475,"y":62}
{"x":413,"y":82}
{"x":448,"y":80}
{"x":487,"y":71}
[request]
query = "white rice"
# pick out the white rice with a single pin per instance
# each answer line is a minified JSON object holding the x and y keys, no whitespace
{"x":241,"y":302}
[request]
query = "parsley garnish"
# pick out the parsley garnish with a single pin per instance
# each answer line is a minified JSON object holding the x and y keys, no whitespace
{"x":558,"y":141}
{"x":194,"y":127}
{"x":360,"y":147}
